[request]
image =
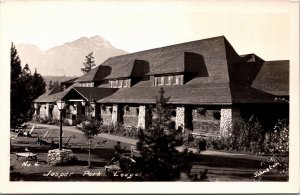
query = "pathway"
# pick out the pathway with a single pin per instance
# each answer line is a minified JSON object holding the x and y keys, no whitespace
{"x":134,"y":141}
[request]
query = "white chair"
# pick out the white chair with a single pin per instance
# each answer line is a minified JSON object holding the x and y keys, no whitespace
{"x":28,"y":133}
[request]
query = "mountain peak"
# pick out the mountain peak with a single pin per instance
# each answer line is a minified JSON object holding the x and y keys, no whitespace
{"x":67,"y":59}
{"x":100,"y":41}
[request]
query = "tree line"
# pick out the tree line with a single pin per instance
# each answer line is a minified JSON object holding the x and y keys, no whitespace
{"x":25,"y":87}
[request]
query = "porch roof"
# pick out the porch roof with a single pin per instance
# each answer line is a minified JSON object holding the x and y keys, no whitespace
{"x":206,"y":94}
{"x":88,"y":93}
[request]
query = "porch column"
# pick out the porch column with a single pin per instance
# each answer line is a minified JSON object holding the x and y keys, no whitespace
{"x":229,"y":115}
{"x":93,"y":110}
{"x":180,"y":117}
{"x":142,"y":117}
{"x":36,"y":106}
{"x":47,"y":110}
{"x":115,"y":116}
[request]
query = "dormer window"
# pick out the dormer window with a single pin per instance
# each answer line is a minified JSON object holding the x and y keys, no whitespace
{"x":87,"y":84}
{"x":179,"y":80}
{"x":120,"y":83}
{"x":168,"y":80}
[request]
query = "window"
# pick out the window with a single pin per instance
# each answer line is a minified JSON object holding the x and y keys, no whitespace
{"x":170,"y":78}
{"x":125,"y":83}
{"x":91,"y":84}
{"x":129,"y":82}
{"x":179,"y":80}
{"x":120,"y":83}
{"x":155,"y":81}
{"x":160,"y":81}
{"x":114,"y":84}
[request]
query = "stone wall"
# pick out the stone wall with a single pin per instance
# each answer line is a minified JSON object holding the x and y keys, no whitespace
{"x":58,"y":157}
{"x":130,"y":117}
{"x":130,"y":121}
{"x":228,"y":116}
{"x":43,"y":110}
{"x":180,"y":117}
{"x":55,"y":112}
{"x":115,"y":114}
{"x":142,"y":117}
{"x":106,"y":114}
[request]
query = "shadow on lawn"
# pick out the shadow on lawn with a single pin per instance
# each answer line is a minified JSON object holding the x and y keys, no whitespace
{"x":223,"y":161}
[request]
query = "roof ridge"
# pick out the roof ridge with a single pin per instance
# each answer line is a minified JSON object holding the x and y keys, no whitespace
{"x":164,"y":47}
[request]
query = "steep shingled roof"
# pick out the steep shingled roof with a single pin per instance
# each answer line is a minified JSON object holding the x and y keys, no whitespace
{"x":171,"y":58}
{"x":46,"y":97}
{"x":216,"y":93}
{"x":70,"y":81}
{"x":223,"y":76}
{"x":96,"y":74}
{"x":273,"y":78}
{"x":89,"y":93}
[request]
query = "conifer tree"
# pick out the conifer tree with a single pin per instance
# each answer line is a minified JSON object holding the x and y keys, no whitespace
{"x":157,"y":144}
{"x":50,"y":85}
{"x":24,"y":89}
{"x":89,"y":63}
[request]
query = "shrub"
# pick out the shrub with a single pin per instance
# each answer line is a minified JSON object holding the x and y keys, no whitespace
{"x":201,"y":144}
{"x":66,"y":122}
{"x":277,"y":144}
{"x":78,"y":121}
{"x":188,"y":138}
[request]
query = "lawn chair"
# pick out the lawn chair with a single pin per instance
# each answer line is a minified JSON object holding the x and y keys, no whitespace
{"x":27,"y":155}
{"x":67,"y":143}
{"x":22,"y":127}
{"x":28,"y":133}
{"x":47,"y":136}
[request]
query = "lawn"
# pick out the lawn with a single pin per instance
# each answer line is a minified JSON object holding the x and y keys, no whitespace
{"x":25,"y":169}
{"x":220,"y":167}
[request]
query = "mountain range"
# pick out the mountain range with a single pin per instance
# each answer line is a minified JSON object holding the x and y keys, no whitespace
{"x":67,"y":59}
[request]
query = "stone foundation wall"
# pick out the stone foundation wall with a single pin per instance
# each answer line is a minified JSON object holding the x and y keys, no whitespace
{"x":106,"y":114}
{"x":130,"y":120}
{"x":57,"y":157}
{"x":43,"y":111}
{"x":115,"y":114}
{"x":106,"y":119}
{"x":228,"y":116}
{"x":142,"y":117}
{"x":180,"y":117}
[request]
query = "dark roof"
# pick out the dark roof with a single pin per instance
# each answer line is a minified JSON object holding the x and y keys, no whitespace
{"x":135,"y":68}
{"x":89,"y":93}
{"x":47,"y":97}
{"x":70,"y":81}
{"x":124,"y":71}
{"x":171,"y":59}
{"x":96,"y":74}
{"x":273,"y":78}
{"x":217,"y":93}
{"x":220,"y":76}
{"x":244,"y":95}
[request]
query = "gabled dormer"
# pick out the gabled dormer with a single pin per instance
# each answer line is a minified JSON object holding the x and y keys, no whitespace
{"x":129,"y":74}
{"x":95,"y":77}
{"x":177,"y":68}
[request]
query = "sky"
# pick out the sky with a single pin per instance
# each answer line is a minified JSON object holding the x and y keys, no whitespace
{"x":254,"y":27}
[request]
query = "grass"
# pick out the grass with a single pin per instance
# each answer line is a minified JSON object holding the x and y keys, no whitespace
{"x":220,"y":168}
{"x":24,"y":169}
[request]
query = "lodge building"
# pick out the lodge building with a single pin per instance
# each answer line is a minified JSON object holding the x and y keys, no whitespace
{"x":209,"y":85}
